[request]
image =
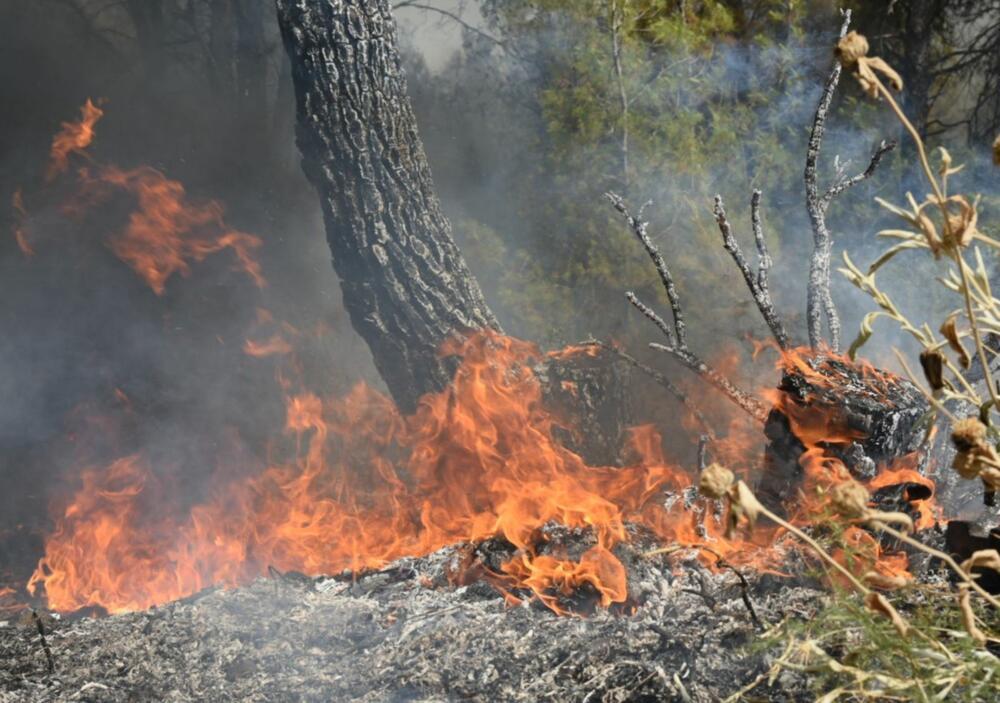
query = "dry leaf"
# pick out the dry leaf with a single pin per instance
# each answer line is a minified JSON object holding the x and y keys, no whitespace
{"x":950,"y":331}
{"x":996,"y":150}
{"x":932,"y":362}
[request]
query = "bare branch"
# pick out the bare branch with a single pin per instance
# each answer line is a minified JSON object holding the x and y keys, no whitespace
{"x":677,"y":338}
{"x":744,"y":400}
{"x":616,"y":54}
{"x":844,"y":184}
{"x":454,"y":17}
{"x":660,"y":378}
{"x":757,"y":284}
{"x":639,"y":228}
{"x":819,"y":302}
{"x":651,"y":315}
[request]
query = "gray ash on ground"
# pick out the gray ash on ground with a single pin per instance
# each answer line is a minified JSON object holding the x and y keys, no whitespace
{"x":406,"y":633}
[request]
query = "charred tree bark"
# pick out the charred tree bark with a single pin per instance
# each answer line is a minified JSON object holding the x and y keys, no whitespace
{"x":405,"y":284}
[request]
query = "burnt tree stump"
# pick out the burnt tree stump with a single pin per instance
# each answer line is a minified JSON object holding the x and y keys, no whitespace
{"x":868,"y":416}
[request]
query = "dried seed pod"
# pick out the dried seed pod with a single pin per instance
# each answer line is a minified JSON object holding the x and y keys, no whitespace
{"x":715,"y":481}
{"x":932,"y":362}
{"x":850,"y":499}
{"x":968,"y":434}
{"x":850,"y":48}
{"x":949,"y":329}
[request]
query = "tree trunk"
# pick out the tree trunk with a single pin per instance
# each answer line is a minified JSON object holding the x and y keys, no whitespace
{"x":405,"y":284}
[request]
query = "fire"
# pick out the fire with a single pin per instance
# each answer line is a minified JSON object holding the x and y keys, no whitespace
{"x":74,"y":138}
{"x":475,"y":461}
{"x":20,"y":231}
{"x":350,"y":484}
{"x":273,"y":345}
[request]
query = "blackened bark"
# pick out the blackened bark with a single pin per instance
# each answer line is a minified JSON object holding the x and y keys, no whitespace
{"x":871,"y":419}
{"x":405,"y":284}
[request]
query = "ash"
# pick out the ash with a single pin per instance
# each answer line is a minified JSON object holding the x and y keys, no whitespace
{"x":404,"y":633}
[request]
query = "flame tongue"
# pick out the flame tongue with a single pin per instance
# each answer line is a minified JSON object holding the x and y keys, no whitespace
{"x":354,"y":485}
{"x":365,"y":486}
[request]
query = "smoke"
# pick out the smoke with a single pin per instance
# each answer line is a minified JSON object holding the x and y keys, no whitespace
{"x":95,"y":365}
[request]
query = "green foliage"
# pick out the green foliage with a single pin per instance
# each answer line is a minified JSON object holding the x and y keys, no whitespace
{"x":719,"y":100}
{"x":851,"y":653}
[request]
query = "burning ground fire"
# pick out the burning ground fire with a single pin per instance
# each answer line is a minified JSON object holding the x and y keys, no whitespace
{"x":352,"y":485}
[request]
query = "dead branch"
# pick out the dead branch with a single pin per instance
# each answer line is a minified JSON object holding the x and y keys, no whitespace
{"x":640,"y":229}
{"x":743,"y":399}
{"x":819,"y":302}
{"x":708,"y":432}
{"x":756,"y":283}
{"x":677,"y":337}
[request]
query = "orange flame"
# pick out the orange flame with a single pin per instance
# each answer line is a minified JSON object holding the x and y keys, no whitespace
{"x":475,"y":461}
{"x":167,"y":231}
{"x":272,"y":346}
{"x":20,"y":215}
{"x":74,"y":138}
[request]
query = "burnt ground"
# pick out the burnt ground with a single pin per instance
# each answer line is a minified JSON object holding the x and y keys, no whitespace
{"x":404,"y":634}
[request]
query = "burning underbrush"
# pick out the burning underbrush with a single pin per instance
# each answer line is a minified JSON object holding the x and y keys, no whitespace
{"x":350,"y":485}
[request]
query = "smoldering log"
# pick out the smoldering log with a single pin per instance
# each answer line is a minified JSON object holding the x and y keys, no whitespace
{"x":881,"y":412}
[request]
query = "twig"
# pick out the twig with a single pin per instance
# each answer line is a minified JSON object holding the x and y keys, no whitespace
{"x":639,"y":228}
{"x":703,"y":592}
{"x":45,"y":642}
{"x":844,"y":184}
{"x":744,"y":584}
{"x":677,"y":337}
{"x":616,"y":53}
{"x":662,"y":380}
{"x":744,"y":400}
{"x":757,"y":284}
{"x":453,"y":16}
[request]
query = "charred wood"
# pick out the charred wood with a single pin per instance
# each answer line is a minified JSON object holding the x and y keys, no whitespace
{"x":405,"y":283}
{"x":871,"y":419}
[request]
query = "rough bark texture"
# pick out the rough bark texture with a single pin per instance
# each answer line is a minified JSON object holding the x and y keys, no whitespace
{"x":589,"y":393}
{"x":882,"y":414}
{"x":404,"y":281}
